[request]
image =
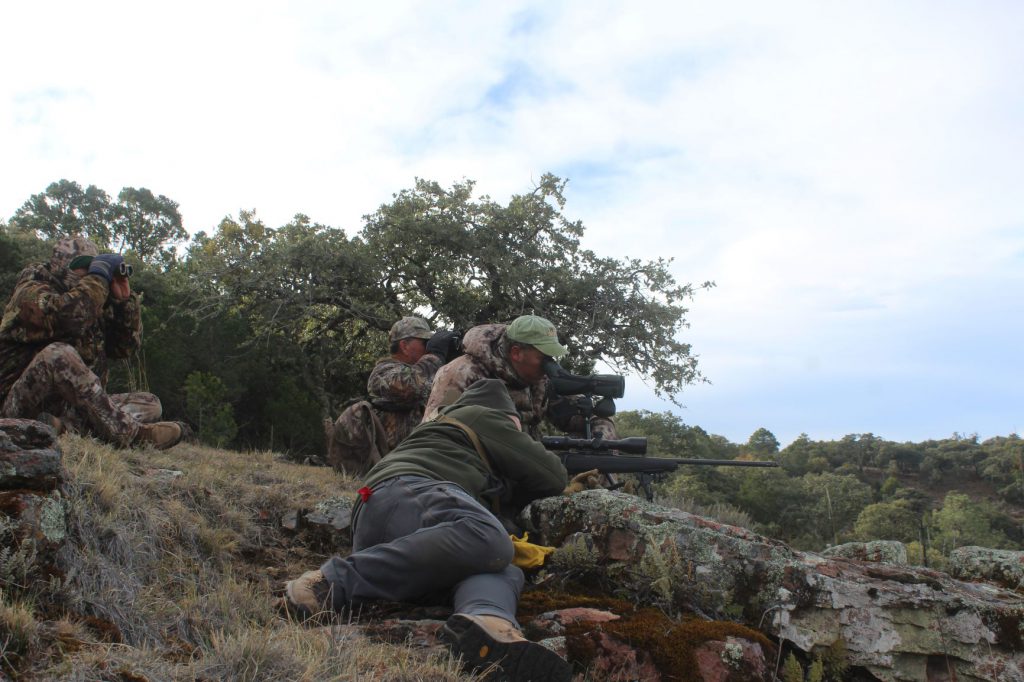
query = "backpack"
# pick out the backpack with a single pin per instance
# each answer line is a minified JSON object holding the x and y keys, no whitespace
{"x":356,"y":440}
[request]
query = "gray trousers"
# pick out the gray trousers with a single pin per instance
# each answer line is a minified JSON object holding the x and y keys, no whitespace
{"x":417,"y":538}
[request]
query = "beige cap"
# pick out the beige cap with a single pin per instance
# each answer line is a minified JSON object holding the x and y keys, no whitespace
{"x":410,"y":328}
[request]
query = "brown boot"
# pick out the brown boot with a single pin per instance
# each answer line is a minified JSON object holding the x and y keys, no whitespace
{"x":308,"y":595}
{"x":490,"y":643}
{"x":161,"y":435}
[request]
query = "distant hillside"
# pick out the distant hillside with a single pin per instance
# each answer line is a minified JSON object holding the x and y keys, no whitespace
{"x":939,"y":494}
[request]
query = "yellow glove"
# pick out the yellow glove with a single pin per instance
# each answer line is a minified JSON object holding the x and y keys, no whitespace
{"x":529,"y":555}
{"x":588,"y":480}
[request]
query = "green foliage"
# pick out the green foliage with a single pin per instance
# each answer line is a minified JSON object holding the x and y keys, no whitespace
{"x":139,"y":221}
{"x":762,"y":443}
{"x":835,"y":661}
{"x":17,"y":249}
{"x":962,"y":521}
{"x":470,"y":261}
{"x":888,"y":521}
{"x":792,"y":671}
{"x":207,"y":407}
{"x":836,"y":501}
{"x":145,"y":223}
{"x":64,"y":209}
{"x":816,"y":673}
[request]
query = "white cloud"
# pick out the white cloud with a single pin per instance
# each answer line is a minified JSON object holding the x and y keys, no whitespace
{"x":841,"y":171}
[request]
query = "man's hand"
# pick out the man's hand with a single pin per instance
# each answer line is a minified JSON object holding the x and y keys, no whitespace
{"x":106,"y":266}
{"x":588,"y":480}
{"x":120,"y":289}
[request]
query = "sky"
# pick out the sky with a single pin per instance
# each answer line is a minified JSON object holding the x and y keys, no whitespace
{"x":850,"y":175}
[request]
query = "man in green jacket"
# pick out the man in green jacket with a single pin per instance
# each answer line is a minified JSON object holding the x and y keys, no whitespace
{"x":423,"y":528}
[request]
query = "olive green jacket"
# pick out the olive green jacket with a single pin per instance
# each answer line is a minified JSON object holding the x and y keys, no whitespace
{"x":518,"y":469}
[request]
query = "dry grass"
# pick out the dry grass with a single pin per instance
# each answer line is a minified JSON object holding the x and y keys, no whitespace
{"x":173,"y":577}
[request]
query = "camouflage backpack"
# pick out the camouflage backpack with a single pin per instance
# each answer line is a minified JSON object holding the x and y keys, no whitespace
{"x":356,"y":440}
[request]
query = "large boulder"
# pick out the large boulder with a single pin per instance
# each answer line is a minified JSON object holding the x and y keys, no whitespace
{"x":1001,"y":566}
{"x":29,"y":455}
{"x":896,"y":622}
{"x":31,"y":504}
{"x":879,"y":551}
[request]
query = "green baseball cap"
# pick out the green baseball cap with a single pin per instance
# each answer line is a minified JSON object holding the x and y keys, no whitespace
{"x":410,"y":328}
{"x":537,"y":332}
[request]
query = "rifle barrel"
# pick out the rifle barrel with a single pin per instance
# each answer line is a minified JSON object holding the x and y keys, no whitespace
{"x":577,"y":462}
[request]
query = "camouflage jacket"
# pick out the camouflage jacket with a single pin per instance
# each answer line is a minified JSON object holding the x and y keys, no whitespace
{"x":398,"y":392}
{"x":483,"y":360}
{"x":46,"y":308}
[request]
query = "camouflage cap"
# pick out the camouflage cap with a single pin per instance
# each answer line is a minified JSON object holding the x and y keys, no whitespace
{"x":69,"y":248}
{"x":410,"y":328}
{"x":537,"y":332}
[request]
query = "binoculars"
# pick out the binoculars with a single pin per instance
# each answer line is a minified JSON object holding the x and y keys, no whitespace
{"x":125,"y":270}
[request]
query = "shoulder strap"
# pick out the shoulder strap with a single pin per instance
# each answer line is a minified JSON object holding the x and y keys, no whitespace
{"x":475,"y":440}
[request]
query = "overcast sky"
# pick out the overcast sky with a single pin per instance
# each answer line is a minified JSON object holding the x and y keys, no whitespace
{"x":851,"y":175}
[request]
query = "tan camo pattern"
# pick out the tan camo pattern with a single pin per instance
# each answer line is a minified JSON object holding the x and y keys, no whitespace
{"x":58,"y":382}
{"x":57,"y":333}
{"x":483,"y":360}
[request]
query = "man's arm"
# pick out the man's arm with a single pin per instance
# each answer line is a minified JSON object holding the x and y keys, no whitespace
{"x":122,"y":326}
{"x":37,"y":313}
{"x":533,"y":471}
{"x":402,"y":384}
{"x":450,"y":382}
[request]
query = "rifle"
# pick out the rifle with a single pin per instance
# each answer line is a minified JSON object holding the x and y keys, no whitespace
{"x":584,"y":454}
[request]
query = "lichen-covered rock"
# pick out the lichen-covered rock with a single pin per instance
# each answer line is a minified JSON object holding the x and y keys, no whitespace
{"x":1001,"y":566}
{"x":328,"y":525}
{"x":732,"y":660}
{"x":29,"y":455}
{"x":32,"y":509}
{"x":879,"y":551}
{"x":614,"y":659}
{"x":895,"y":621}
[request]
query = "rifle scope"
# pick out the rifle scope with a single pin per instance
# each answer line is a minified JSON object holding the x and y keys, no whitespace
{"x":637,"y":445}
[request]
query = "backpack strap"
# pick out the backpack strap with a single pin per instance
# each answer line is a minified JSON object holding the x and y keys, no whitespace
{"x":475,"y":440}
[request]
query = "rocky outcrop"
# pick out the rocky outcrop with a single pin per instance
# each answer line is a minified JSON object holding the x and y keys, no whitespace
{"x":32,"y":510}
{"x":896,"y":622}
{"x":879,"y":551}
{"x":1001,"y":566}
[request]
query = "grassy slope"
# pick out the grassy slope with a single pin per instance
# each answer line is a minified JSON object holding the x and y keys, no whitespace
{"x":173,"y":577}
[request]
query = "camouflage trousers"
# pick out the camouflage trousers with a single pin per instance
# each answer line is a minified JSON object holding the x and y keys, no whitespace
{"x":57,"y":381}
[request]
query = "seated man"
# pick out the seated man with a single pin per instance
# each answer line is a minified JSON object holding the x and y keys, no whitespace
{"x":423,"y":527}
{"x":64,"y":319}
{"x":515,"y":354}
{"x":400,"y":383}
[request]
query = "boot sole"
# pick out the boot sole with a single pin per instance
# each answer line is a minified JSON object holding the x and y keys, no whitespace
{"x":519,"y":661}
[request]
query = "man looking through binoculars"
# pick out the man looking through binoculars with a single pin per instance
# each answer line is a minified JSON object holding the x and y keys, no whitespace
{"x":520,"y":354}
{"x":62,"y":323}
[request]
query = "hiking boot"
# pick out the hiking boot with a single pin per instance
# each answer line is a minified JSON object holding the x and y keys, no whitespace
{"x":495,"y":647}
{"x":54,"y":423}
{"x":161,"y":435}
{"x":308,"y":595}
